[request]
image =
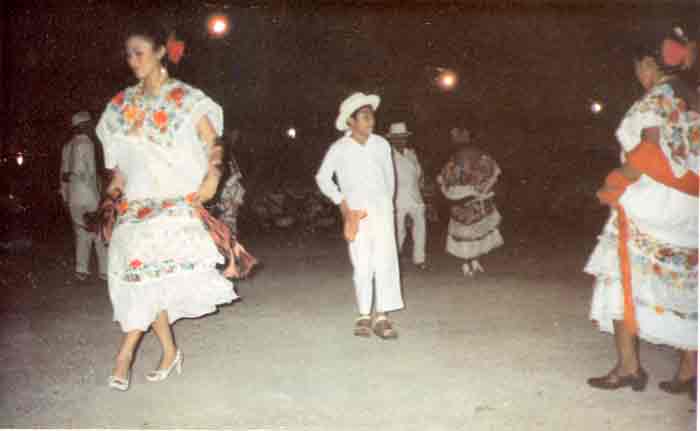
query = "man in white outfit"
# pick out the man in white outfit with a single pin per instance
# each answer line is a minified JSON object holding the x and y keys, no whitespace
{"x":80,"y":193}
{"x":362,"y":164}
{"x":409,"y":201}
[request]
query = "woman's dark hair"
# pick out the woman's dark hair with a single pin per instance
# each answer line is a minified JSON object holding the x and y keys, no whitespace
{"x":150,"y":29}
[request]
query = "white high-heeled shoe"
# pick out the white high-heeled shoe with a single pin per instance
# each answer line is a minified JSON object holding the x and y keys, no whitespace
{"x":162,"y":374}
{"x":467,"y":270}
{"x":476,"y":266}
{"x":118,"y":383}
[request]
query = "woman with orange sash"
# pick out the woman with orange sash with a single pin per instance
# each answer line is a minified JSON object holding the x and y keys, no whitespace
{"x":646,"y":261}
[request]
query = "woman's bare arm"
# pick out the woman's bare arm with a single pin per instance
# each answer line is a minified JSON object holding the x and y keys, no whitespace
{"x":207,"y":134}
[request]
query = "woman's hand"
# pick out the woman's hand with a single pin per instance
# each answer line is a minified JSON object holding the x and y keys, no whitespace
{"x":116,"y":185}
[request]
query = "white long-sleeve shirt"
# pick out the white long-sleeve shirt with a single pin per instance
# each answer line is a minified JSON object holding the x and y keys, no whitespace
{"x":78,"y":159}
{"x":365,"y":173}
{"x":408,"y":178}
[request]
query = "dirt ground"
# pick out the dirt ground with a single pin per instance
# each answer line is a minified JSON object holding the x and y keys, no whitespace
{"x":508,"y":350}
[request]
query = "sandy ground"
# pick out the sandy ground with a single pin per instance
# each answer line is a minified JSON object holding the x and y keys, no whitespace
{"x":509,"y":350}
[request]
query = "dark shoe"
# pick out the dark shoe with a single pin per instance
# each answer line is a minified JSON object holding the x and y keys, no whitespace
{"x":422,"y":266}
{"x":81,"y":276}
{"x":638,"y":381}
{"x":676,"y":386}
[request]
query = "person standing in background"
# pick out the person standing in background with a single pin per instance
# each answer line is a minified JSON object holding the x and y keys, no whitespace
{"x":80,"y":194}
{"x":409,"y":201}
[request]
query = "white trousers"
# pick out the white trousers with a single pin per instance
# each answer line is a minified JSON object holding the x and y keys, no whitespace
{"x":374,"y":258}
{"x":417,"y":214}
{"x":84,"y":241}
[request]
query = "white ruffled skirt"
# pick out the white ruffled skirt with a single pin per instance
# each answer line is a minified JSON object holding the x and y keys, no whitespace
{"x":161,"y":258}
{"x":664,"y":287}
{"x":471,"y":241}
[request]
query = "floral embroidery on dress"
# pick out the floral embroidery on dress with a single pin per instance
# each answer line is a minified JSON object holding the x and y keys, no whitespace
{"x":659,"y":309}
{"x":472,"y":211}
{"x":680,"y":128}
{"x":138,"y":271}
{"x":664,"y":255}
{"x":231,"y":198}
{"x":157,"y":118}
{"x":472,"y":167}
{"x":138,"y":211}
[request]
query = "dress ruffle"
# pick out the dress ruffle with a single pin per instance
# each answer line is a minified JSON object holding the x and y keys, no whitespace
{"x":664,"y":287}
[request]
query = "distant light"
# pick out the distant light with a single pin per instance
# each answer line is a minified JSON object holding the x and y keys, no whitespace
{"x":292,"y":133}
{"x":447,"y":79}
{"x":596,"y":108}
{"x":20,"y":159}
{"x":218,"y":25}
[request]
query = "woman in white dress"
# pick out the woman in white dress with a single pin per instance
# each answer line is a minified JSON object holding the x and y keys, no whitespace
{"x":159,"y":138}
{"x":468,"y":180}
{"x":646,"y":261}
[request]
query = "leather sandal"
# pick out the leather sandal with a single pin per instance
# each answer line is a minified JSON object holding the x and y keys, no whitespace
{"x":383,"y":329}
{"x":363,"y":327}
{"x":637,"y":381}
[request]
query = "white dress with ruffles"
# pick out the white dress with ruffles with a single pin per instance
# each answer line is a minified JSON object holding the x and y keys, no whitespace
{"x":663,"y":236}
{"x":160,"y":255}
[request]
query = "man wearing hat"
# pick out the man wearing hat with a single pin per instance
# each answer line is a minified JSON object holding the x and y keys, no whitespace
{"x":409,"y":201}
{"x":362,"y":164}
{"x":80,"y":193}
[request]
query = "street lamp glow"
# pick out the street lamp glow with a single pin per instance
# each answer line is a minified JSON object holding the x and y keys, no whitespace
{"x":20,"y":159}
{"x":596,"y":107}
{"x":447,"y":79}
{"x":292,"y":133}
{"x":218,"y":25}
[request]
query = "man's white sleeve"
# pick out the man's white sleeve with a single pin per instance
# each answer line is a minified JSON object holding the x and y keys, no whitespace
{"x":389,"y":171}
{"x":324,"y":178}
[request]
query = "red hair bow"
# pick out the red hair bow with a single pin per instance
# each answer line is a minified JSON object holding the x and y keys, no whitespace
{"x":175,"y":48}
{"x":674,"y":53}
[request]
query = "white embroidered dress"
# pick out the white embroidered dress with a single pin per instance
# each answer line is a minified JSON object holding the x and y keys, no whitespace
{"x":160,"y":255}
{"x":663,"y":230}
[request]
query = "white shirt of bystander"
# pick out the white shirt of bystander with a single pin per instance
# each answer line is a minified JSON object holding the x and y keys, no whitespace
{"x":408,"y":179}
{"x":365,"y":173}
{"x":79,"y":161}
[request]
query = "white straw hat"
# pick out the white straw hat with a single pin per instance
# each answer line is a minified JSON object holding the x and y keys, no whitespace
{"x":80,"y":118}
{"x":398,"y":130}
{"x":352,"y":104}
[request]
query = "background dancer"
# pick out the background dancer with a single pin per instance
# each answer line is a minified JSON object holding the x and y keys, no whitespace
{"x":468,"y":180}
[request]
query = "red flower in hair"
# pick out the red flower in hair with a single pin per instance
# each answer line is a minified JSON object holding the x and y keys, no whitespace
{"x":176,"y":49}
{"x":674,"y":53}
{"x":135,"y":263}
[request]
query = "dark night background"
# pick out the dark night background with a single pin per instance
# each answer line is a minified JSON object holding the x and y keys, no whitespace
{"x":528,"y":72}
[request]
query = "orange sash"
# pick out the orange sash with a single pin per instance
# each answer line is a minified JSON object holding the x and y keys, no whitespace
{"x":647,"y":158}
